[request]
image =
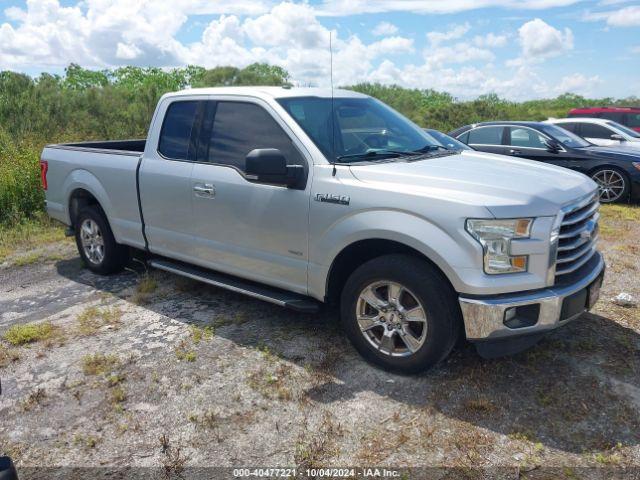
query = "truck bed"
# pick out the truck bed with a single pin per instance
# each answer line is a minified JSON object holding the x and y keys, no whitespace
{"x":106,"y":170}
{"x":108,"y":146}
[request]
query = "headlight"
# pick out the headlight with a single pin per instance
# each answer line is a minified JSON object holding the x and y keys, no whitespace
{"x":495,"y":237}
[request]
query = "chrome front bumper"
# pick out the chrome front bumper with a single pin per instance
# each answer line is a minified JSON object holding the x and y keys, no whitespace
{"x":484,"y":318}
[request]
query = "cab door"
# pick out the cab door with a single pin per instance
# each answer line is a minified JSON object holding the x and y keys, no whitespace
{"x":245,"y":228}
{"x":525,"y":142}
{"x":165,"y":178}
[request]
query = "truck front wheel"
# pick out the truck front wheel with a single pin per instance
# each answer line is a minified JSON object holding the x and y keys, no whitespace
{"x":400,"y":313}
{"x":96,"y":244}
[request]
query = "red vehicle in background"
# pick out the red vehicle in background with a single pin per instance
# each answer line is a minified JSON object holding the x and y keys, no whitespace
{"x":629,"y":116}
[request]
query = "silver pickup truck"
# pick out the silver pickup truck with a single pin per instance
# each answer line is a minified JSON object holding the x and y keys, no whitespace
{"x":306,"y":196}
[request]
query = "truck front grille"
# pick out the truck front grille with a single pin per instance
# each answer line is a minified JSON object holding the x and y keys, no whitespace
{"x":578,"y":236}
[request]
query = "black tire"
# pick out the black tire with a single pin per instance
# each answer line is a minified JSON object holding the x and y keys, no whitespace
{"x":115,"y":256}
{"x":624,"y":196}
{"x":429,"y":287}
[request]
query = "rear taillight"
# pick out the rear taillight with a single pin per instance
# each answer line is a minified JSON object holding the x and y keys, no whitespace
{"x":44,"y":167}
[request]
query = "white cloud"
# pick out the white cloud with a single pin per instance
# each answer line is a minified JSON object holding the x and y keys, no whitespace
{"x":456,"y":31}
{"x":491,"y":40}
{"x":577,"y":83}
{"x":636,"y":49}
{"x":623,"y":17}
{"x":540,"y":41}
{"x":105,"y":33}
{"x":288,"y":23}
{"x":356,"y":7}
{"x":384,"y":29}
{"x":127,"y":52}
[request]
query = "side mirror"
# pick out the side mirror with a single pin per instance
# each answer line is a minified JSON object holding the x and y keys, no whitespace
{"x":553,"y":146}
{"x":618,"y":137}
{"x":268,"y":165}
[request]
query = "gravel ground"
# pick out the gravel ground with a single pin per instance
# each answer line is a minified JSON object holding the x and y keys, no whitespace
{"x":152,"y":370}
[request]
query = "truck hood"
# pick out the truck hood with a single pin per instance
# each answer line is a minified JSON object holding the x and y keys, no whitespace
{"x":508,"y":187}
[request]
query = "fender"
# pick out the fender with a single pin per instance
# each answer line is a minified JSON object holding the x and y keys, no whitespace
{"x":83,"y":179}
{"x":386,"y":224}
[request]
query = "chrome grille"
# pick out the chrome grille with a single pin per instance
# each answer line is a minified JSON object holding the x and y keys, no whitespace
{"x":578,"y":235}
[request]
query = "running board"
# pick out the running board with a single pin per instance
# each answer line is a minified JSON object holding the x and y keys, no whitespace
{"x":278,"y":296}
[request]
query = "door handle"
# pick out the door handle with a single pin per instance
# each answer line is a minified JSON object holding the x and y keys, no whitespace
{"x":206,"y":189}
{"x":515,"y":152}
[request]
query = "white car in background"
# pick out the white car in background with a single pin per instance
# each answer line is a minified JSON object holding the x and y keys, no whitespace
{"x":600,"y":131}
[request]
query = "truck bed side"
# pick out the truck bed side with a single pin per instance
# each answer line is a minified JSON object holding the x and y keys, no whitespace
{"x":105,"y":171}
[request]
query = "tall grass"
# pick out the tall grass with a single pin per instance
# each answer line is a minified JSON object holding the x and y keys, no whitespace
{"x":21,"y":195}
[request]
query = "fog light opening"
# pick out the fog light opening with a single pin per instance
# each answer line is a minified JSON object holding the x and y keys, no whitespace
{"x":522,"y":316}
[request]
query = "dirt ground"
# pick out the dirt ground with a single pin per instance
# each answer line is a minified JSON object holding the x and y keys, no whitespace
{"x":152,"y":370}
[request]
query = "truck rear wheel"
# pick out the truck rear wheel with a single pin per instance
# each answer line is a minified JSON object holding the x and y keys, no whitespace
{"x":400,"y":313}
{"x":96,"y":244}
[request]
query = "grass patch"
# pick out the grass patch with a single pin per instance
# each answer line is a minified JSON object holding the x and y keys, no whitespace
{"x":87,"y":441}
{"x":618,"y":220}
{"x":201,"y":333}
{"x":93,"y":319}
{"x":8,"y":356}
{"x":146,"y":287}
{"x":28,"y":234}
{"x":98,"y":364}
{"x":34,"y":399}
{"x":272,"y":383}
{"x":29,"y":333}
{"x":183,"y":352}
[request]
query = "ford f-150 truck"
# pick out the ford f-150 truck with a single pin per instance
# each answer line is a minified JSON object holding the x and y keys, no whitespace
{"x":308,"y":196}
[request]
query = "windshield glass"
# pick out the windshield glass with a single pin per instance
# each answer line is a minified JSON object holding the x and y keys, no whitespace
{"x":362,"y":127}
{"x":626,"y":130}
{"x":447,"y":141}
{"x":565,"y":137}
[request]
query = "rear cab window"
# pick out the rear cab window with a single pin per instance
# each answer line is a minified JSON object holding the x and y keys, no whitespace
{"x":177,"y":130}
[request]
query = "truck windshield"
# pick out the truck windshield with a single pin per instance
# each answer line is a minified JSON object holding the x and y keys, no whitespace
{"x":362,"y":129}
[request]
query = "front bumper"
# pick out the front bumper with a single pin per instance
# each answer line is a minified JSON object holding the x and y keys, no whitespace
{"x":549,"y":308}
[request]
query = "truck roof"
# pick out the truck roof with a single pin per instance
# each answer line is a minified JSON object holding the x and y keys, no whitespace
{"x":270,"y":92}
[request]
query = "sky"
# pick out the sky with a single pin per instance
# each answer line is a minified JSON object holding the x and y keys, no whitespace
{"x":518,"y":49}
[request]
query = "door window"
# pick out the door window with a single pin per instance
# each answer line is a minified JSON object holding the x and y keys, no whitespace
{"x":239,"y":128}
{"x":572,"y":127}
{"x":527,"y":138}
{"x":591,"y":130}
{"x":633,"y":120}
{"x":615,"y":116}
{"x":175,"y":136}
{"x":486,"y":136}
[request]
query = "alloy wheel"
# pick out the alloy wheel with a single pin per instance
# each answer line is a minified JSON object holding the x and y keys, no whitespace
{"x":391,"y":318}
{"x":611,"y":185}
{"x":92,"y":241}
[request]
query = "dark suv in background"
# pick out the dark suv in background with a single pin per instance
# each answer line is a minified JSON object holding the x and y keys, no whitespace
{"x":628,"y":116}
{"x":616,"y":172}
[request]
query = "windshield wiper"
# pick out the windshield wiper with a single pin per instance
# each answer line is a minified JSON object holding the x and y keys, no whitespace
{"x":375,"y":153}
{"x":428,"y":149}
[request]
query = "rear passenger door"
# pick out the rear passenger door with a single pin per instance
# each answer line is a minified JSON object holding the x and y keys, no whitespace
{"x":249,"y":229}
{"x":165,"y":178}
{"x":487,"y":138}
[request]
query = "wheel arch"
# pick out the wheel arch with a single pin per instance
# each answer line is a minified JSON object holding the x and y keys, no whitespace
{"x":359,"y":252}
{"x":83,"y":189}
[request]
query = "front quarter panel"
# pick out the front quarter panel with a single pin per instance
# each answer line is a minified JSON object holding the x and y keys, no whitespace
{"x":432,"y":226}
